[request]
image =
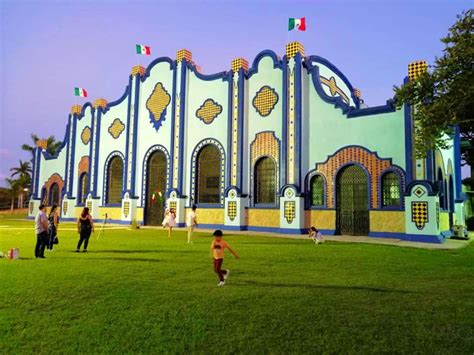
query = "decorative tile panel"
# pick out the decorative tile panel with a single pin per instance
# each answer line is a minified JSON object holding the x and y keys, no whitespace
{"x":367,"y":159}
{"x":232,"y":210}
{"x":184,"y":54}
{"x":76,"y":110}
{"x":65,"y":207}
{"x":157,"y":104}
{"x":265,"y":100}
{"x":100,"y":103}
{"x":290,"y":211}
{"x":415,"y":69}
{"x":419,"y":214}
{"x":239,"y":63}
{"x":208,"y":111}
{"x":138,"y":70}
{"x":86,"y":135}
{"x":292,"y":48}
{"x":116,"y":128}
{"x":126,"y":209}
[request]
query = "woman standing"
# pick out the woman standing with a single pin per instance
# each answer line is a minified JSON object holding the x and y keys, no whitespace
{"x":85,"y":226}
{"x":53,"y":221}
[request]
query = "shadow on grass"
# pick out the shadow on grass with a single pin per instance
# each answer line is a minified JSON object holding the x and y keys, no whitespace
{"x":116,"y":259}
{"x":319,"y":287}
{"x":139,"y":251}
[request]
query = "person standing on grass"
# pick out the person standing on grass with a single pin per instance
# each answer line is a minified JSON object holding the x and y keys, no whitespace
{"x":171,"y":221}
{"x":53,"y":221}
{"x":41,"y":230}
{"x":191,"y":222}
{"x":217,"y":253}
{"x":167,"y":218}
{"x":85,"y":226}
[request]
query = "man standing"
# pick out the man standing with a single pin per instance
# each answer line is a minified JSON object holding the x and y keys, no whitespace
{"x":191,"y":222}
{"x":41,"y":229}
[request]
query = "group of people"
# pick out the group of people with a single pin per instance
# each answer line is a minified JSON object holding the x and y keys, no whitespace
{"x":46,"y":228}
{"x":170,"y":221}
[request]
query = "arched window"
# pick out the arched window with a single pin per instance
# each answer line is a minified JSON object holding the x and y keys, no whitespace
{"x":115,"y":180}
{"x":54,"y":194}
{"x":83,"y":185}
{"x":265,"y":181}
{"x":390,"y":190}
{"x":208,"y":182}
{"x":317,"y":191}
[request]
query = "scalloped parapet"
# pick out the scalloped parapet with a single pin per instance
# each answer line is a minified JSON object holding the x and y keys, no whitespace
{"x":76,"y":110}
{"x":184,"y":54}
{"x":239,"y":63}
{"x":100,"y":103}
{"x":294,"y":47}
{"x":416,"y":68}
{"x":357,"y":93}
{"x":138,"y":70}
{"x":42,"y":143}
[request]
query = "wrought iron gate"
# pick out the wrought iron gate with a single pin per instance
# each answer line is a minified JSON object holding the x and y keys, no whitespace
{"x":352,"y":200}
{"x":156,"y":182}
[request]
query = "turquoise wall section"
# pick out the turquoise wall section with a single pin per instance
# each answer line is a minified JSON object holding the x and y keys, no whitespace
{"x":329,"y":130}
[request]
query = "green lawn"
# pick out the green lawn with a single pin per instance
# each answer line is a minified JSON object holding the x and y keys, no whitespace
{"x":138,"y":291}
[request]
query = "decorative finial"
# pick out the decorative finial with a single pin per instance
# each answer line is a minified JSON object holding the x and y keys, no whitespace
{"x":238,"y":63}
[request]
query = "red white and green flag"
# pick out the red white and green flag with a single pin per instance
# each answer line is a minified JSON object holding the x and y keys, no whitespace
{"x":141,"y":49}
{"x":297,"y":24}
{"x":80,"y":92}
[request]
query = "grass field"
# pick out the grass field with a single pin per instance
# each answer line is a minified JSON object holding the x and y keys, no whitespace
{"x":138,"y":291}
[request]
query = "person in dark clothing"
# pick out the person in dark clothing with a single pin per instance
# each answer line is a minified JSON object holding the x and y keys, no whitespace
{"x":85,"y":226}
{"x":53,"y":220}
{"x":41,"y":229}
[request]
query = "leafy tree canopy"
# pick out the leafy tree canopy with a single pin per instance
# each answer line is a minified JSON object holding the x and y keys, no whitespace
{"x":444,"y":96}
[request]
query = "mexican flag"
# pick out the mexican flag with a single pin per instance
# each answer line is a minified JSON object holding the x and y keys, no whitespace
{"x":141,"y":49}
{"x":297,"y":23}
{"x":80,"y":92}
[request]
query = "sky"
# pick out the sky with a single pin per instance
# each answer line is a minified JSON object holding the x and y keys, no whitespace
{"x":49,"y":47}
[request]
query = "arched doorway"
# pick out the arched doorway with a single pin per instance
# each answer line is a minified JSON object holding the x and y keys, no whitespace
{"x":265,"y":181}
{"x":208,"y":181}
{"x":155,"y":183}
{"x":54,"y":195}
{"x":352,"y":200}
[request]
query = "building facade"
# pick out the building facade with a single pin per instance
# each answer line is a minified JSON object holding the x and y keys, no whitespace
{"x":279,"y":146}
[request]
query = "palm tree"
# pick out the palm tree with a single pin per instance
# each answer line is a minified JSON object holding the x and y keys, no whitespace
{"x":53,"y":144}
{"x":24,"y":180}
{"x":14,"y":187}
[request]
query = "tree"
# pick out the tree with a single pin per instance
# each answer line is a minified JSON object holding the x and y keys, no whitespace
{"x":24,"y":180}
{"x":14,"y":187}
{"x":53,"y":145}
{"x":444,"y":96}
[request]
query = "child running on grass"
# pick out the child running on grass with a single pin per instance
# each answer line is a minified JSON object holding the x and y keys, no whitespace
{"x":217,"y":253}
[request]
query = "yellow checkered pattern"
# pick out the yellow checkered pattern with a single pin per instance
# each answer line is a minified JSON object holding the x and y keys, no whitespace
{"x":89,"y":205}
{"x":116,"y":128}
{"x":173,"y":206}
{"x":209,"y":110}
{"x":158,"y":101}
{"x":232,"y":210}
{"x":419,"y":214}
{"x":265,"y":143}
{"x":292,"y":48}
{"x":65,"y":207}
{"x":184,"y":54}
{"x":265,"y":100}
{"x":416,"y":68}
{"x":86,"y":135}
{"x":42,"y":143}
{"x":290,"y":211}
{"x":100,"y":103}
{"x":76,"y":109}
{"x":138,"y":70}
{"x":238,"y":63}
{"x":126,"y":209}
{"x":357,"y":93}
